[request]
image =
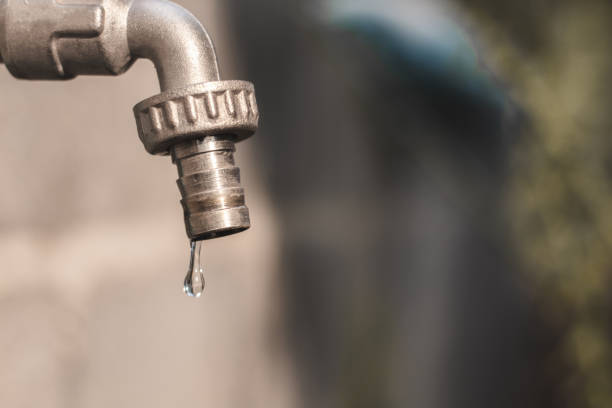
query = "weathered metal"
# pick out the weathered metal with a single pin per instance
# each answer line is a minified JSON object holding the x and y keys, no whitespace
{"x":197,"y":117}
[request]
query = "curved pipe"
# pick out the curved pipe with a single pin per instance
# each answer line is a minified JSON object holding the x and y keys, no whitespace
{"x":174,"y":40}
{"x":197,"y":117}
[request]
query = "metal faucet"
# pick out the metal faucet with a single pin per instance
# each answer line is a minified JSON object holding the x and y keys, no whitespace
{"x":197,"y":118}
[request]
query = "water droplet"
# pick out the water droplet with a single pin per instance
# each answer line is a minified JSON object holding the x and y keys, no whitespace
{"x":194,"y":281}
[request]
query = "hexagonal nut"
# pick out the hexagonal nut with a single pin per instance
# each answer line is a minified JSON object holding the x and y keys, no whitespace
{"x":211,"y":108}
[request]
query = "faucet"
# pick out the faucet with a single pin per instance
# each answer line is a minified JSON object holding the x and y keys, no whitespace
{"x":196,"y":119}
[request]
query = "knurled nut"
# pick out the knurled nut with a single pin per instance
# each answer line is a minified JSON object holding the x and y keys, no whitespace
{"x":210,"y":108}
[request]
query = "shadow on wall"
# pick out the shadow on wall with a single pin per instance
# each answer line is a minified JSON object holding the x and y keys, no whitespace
{"x":386,"y":156}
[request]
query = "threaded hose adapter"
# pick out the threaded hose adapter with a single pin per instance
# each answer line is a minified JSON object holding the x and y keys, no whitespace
{"x":199,"y":127}
{"x":209,"y":182}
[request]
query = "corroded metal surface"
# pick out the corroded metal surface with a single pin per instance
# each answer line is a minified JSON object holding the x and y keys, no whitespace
{"x":44,"y":39}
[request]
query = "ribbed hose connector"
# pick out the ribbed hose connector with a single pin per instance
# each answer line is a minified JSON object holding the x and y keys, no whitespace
{"x":209,"y":182}
{"x":213,"y":200}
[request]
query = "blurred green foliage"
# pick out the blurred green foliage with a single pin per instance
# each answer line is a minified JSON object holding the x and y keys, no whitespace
{"x":556,"y":61}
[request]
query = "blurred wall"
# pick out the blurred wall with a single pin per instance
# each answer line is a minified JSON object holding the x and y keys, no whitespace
{"x":93,"y":254}
{"x":386,"y":152}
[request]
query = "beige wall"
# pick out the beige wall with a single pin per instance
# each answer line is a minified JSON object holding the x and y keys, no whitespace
{"x":93,"y":254}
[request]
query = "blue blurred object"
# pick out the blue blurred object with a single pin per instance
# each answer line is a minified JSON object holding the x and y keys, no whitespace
{"x":421,"y":42}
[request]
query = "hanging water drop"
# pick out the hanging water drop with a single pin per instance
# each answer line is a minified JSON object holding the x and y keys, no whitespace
{"x":194,"y":281}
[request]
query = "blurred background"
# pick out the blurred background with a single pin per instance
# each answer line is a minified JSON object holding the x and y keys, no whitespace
{"x":431,"y":205}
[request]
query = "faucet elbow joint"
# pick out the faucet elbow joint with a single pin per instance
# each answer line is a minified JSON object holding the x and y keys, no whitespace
{"x":196,"y":118}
